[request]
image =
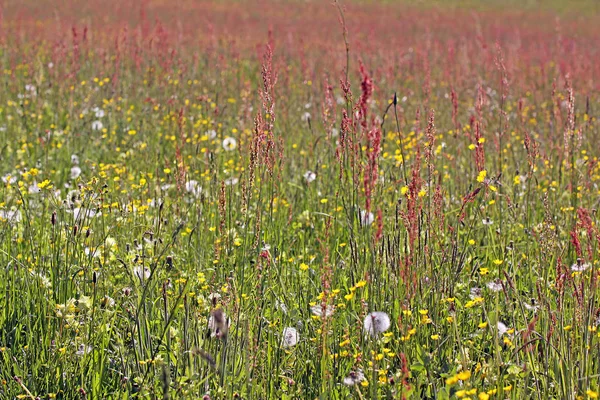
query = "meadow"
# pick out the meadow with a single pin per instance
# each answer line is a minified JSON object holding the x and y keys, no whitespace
{"x":299,"y":199}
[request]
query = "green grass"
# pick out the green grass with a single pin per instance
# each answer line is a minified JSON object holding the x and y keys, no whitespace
{"x":111,"y":274}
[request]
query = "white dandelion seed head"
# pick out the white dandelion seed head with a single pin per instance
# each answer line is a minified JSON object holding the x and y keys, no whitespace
{"x":502,"y":329}
{"x":97,"y":125}
{"x":494,"y":286}
{"x":366,"y":218}
{"x":193,"y":188}
{"x":143,"y":273}
{"x":8,"y":178}
{"x":376,"y":322}
{"x":530,"y":307}
{"x":231,"y":181}
{"x":354,"y":377}
{"x":75,"y":172}
{"x":326,"y":312}
{"x":74,"y":159}
{"x":580,"y":267}
{"x":475,"y":292}
{"x":309,"y":176}
{"x":83,"y":350}
{"x":229,"y":144}
{"x":211,"y":134}
{"x":98,"y":112}
{"x":10,"y":215}
{"x":289,"y":337}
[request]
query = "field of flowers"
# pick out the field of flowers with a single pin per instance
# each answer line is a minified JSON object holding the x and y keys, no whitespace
{"x":299,"y":200}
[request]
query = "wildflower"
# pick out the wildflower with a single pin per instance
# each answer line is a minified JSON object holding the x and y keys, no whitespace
{"x":487,"y":221}
{"x":83,"y":350}
{"x":193,"y":188}
{"x":481,"y":176}
{"x":75,"y":172}
{"x":376,"y":322}
{"x":9,"y":179}
{"x":321,"y":311}
{"x":305,"y":116}
{"x":309,"y":176}
{"x":10,"y":215}
{"x":591,"y":394}
{"x":475,"y":293}
{"x":579,"y":266}
{"x":97,"y":126}
{"x":229,"y":144}
{"x":231,"y":181}
{"x":211,"y":134}
{"x":530,"y":307}
{"x":502,"y":329}
{"x":354,"y":377}
{"x":98,"y":112}
{"x":289,"y":337}
{"x":494,"y":286}
{"x":366,"y":218}
{"x":143,"y":273}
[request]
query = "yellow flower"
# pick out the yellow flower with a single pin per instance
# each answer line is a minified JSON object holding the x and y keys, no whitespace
{"x":483,"y":325}
{"x":303,"y":267}
{"x":481,"y":176}
{"x":483,"y":396}
{"x":435,"y":337}
{"x":591,"y":394}
{"x":404,"y":190}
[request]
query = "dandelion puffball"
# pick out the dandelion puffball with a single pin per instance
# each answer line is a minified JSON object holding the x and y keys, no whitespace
{"x":289,"y":337}
{"x":229,"y":143}
{"x":376,"y":322}
{"x":354,"y":377}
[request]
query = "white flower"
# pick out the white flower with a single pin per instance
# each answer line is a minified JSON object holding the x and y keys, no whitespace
{"x":376,"y":322}
{"x":475,"y":293}
{"x":30,"y":88}
{"x":98,"y":112}
{"x":75,"y":172}
{"x":231,"y":181}
{"x":318,"y":310}
{"x":309,"y":176}
{"x":193,"y":188}
{"x":34,"y":188}
{"x":579,"y":266}
{"x":289,"y":337}
{"x":494,"y":286}
{"x":487,"y":221}
{"x":97,"y":125}
{"x":143,"y":273}
{"x":502,"y":329}
{"x":366,"y":218}
{"x":229,"y":143}
{"x":281,"y":305}
{"x":74,"y":159}
{"x":86,"y":212}
{"x":354,"y":377}
{"x":8,"y":178}
{"x":211,"y":134}
{"x":530,"y":307}
{"x":305,"y":116}
{"x":83,"y":350}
